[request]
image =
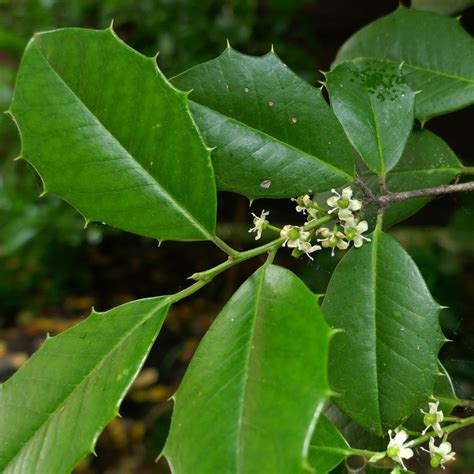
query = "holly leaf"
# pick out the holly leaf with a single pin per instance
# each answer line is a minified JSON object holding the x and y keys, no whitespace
{"x":275,"y":135}
{"x":108,"y":134}
{"x":391,"y":334}
{"x":328,"y":447}
{"x":367,"y":95}
{"x":254,"y":390}
{"x":55,"y":406}
{"x":445,"y":7}
{"x":424,"y":42}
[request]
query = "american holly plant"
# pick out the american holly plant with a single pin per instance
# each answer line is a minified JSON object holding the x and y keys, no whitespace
{"x":285,"y":381}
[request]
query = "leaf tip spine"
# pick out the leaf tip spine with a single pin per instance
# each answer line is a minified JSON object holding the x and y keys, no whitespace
{"x":227,"y":44}
{"x":334,"y":331}
{"x":445,"y":340}
{"x":111,"y":26}
{"x":18,"y":158}
{"x":160,"y":242}
{"x":272,"y":49}
{"x":332,"y":394}
{"x":43,"y":193}
{"x":440,"y":306}
{"x":86,"y":222}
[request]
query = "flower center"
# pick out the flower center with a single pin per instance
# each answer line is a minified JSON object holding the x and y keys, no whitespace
{"x":393,"y":451}
{"x":343,"y":203}
{"x":351,"y":233}
{"x":293,"y":234}
{"x":429,"y":419}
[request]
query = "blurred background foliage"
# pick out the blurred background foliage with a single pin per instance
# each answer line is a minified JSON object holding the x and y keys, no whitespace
{"x":52,"y":270}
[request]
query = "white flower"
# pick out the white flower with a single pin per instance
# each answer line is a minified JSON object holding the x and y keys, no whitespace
{"x":259,"y":224}
{"x":343,"y":203}
{"x":332,"y":239}
{"x":353,"y":229}
{"x":433,"y":418}
{"x":397,"y":449}
{"x":440,"y":454}
{"x":297,"y":238}
{"x":305,"y":205}
{"x":307,"y":248}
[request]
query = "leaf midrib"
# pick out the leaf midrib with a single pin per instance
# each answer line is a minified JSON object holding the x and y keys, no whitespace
{"x":374,"y":265}
{"x":163,"y":302}
{"x":274,"y":139}
{"x":135,"y":163}
{"x":248,"y":365}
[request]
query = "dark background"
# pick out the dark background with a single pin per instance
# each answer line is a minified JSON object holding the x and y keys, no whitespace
{"x":52,"y":270}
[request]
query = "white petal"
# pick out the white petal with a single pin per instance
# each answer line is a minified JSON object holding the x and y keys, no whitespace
{"x":362,"y":227}
{"x":401,"y":437}
{"x":406,"y":453}
{"x":347,"y":193}
{"x":355,"y":205}
{"x":358,"y":241}
{"x":344,"y":214}
{"x":445,"y":448}
{"x":439,"y":430}
{"x":342,"y":245}
{"x":332,"y":201}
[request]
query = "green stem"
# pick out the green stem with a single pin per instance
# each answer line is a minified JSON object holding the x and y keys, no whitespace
{"x":208,"y":275}
{"x":272,"y":227}
{"x":448,"y":430}
{"x":225,"y":248}
{"x":468,"y":170}
{"x":187,"y":291}
{"x":203,"y":278}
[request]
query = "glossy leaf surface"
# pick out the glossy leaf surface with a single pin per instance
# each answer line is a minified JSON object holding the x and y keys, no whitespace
{"x":391,"y":334}
{"x":426,"y":162}
{"x":367,"y":95}
{"x":253,"y":392}
{"x":445,"y":79}
{"x":55,"y":406}
{"x":327,"y":447}
{"x":111,"y":136}
{"x":275,"y":135}
{"x":445,"y":7}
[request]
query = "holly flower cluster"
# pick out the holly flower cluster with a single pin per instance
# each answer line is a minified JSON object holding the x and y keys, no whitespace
{"x":399,"y":448}
{"x":348,"y":228}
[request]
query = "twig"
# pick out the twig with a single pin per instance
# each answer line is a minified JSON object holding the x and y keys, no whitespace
{"x":390,"y":198}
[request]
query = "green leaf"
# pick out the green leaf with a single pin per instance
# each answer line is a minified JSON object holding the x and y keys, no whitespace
{"x":328,"y":447}
{"x":391,"y":334}
{"x":425,"y":42}
{"x":254,"y":390}
{"x":376,"y":108}
{"x":55,"y":406}
{"x":426,"y":162}
{"x":354,"y":434}
{"x":445,"y":7}
{"x":443,"y":391}
{"x":111,"y":136}
{"x":275,"y":135}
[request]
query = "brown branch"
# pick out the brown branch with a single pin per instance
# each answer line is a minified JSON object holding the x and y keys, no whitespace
{"x":390,"y":198}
